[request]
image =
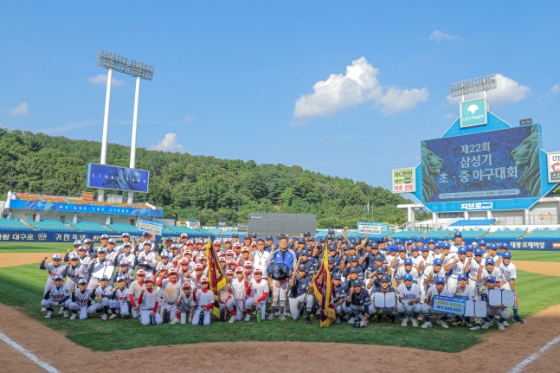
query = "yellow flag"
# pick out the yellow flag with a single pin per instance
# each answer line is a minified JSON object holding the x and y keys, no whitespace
{"x":216,"y":276}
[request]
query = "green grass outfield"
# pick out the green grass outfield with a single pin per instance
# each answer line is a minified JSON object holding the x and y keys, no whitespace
{"x":22,"y":287}
{"x":35,"y":247}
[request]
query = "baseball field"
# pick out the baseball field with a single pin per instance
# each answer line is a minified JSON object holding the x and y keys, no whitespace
{"x":272,"y":346}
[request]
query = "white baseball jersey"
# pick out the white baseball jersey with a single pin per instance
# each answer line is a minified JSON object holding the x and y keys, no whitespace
{"x":258,"y":289}
{"x":495,"y":272}
{"x":509,"y":272}
{"x":149,"y":299}
{"x":401,"y":271}
{"x":130,"y":259}
{"x":82,"y":298}
{"x":473,"y":271}
{"x":74,"y":273}
{"x":85,"y":261}
{"x":467,"y":293}
{"x":170,"y":292}
{"x":239,"y":288}
{"x":433,"y":291}
{"x":121,"y":295}
{"x":430,"y":271}
{"x":105,"y":292}
{"x":149,"y":257}
{"x":135,"y":289}
{"x":58,"y":294}
{"x":458,"y":269}
{"x":204,"y":298}
{"x":407,"y":294}
{"x":54,"y":272}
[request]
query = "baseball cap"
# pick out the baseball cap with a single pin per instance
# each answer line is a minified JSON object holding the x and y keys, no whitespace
{"x":440,"y":280}
{"x":482,"y":242}
{"x":402,"y":248}
{"x":87,"y":240}
{"x":336,"y":275}
{"x":407,"y":277}
{"x":104,"y":236}
{"x":238,"y":270}
{"x":235,"y":235}
{"x":82,"y":281}
{"x":125,"y":235}
{"x":462,"y":250}
{"x":77,"y":243}
{"x":229,"y":272}
{"x":489,"y":261}
{"x":302,"y":267}
{"x":198,"y":267}
{"x":81,"y":248}
{"x":354,"y":270}
{"x":120,"y":278}
{"x":141,"y":272}
{"x":507,"y":255}
{"x":504,"y":245}
{"x":248,"y":265}
{"x":385,"y":279}
{"x":186,"y":286}
{"x":56,"y":257}
{"x":407,"y":261}
{"x":478,"y":251}
{"x":163,"y":268}
{"x":462,"y":277}
{"x":355,"y":258}
{"x":184,"y":235}
{"x":73,"y":256}
{"x":359,"y":283}
{"x":148,"y":243}
{"x":457,"y":234}
{"x":490,"y":279}
{"x":470,"y":248}
{"x":382,"y":270}
{"x":123,"y":263}
{"x":101,"y":250}
{"x":438,"y":262}
{"x":104,"y":278}
{"x":245,"y":249}
{"x":127,"y":244}
{"x":111,"y":241}
{"x":425,"y":248}
{"x":257,"y":271}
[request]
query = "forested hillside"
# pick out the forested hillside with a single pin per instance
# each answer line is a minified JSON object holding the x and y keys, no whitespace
{"x":195,"y":187}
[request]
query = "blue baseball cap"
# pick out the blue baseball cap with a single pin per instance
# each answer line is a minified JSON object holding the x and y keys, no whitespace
{"x":462,"y":277}
{"x":482,"y":242}
{"x":402,"y":248}
{"x":504,"y":245}
{"x":462,"y":250}
{"x":440,"y":280}
{"x":386,"y":279}
{"x":381,"y":270}
{"x":437,"y":262}
{"x":336,"y":275}
{"x":332,"y":247}
{"x":478,"y":251}
{"x":408,"y":261}
{"x":489,"y":261}
{"x":380,"y":240}
{"x":421,"y":239}
{"x":407,"y":277}
{"x":470,"y":248}
{"x":507,"y":255}
{"x":425,"y":248}
{"x":354,"y":270}
{"x":359,"y":283}
{"x":457,"y":234}
{"x":431,"y":241}
{"x":490,"y":279}
{"x":398,"y":241}
{"x":415,"y":248}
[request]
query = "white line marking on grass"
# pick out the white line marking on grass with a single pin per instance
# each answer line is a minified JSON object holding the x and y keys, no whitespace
{"x":519,"y":367}
{"x":29,"y":355}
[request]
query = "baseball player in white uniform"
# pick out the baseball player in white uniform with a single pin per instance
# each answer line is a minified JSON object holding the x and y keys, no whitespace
{"x":259,"y":292}
{"x":427,"y":307}
{"x":204,"y":300}
{"x":148,"y":304}
{"x":81,"y":299}
{"x":57,"y":295}
{"x":409,"y":301}
{"x":240,"y":289}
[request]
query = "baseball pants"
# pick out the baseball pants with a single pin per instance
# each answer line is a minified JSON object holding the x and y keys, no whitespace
{"x":279,"y":293}
{"x":250,"y":302}
{"x":356,"y":310}
{"x":238,"y":306}
{"x":122,"y":306}
{"x":475,"y":286}
{"x":451,"y":282}
{"x":171,"y":308}
{"x":206,"y":317}
{"x":387,"y":311}
{"x":50,"y":303}
{"x":145,"y":317}
{"x":427,"y":310}
{"x":80,"y":310}
{"x":295,"y":303}
{"x":415,"y":309}
{"x":501,"y":312}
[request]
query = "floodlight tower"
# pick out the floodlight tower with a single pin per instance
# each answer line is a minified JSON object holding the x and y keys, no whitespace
{"x":139,"y":70}
{"x":482,"y":84}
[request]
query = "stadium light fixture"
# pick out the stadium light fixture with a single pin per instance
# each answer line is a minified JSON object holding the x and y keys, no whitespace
{"x":481,"y":84}
{"x":139,"y":70}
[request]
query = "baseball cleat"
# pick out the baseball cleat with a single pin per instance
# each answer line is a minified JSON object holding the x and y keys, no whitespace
{"x":271,"y":317}
{"x":73,"y":317}
{"x":247,"y":318}
{"x":307,"y":321}
{"x":65,"y":314}
{"x":501,"y":326}
{"x":49,"y":315}
{"x":506,"y":324}
{"x":468,"y":325}
{"x":104,"y":317}
{"x":442,"y":323}
{"x":404,"y":322}
{"x":231,"y":320}
{"x":282,"y":318}
{"x":518,"y":319}
{"x":113,"y":316}
{"x":351,"y":320}
{"x":427,"y":324}
{"x":486,"y":325}
{"x":414,"y":323}
{"x":175,"y":321}
{"x":61,"y":311}
{"x":43,"y":309}
{"x":337,"y":321}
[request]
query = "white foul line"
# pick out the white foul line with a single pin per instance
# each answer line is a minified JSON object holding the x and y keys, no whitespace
{"x":519,"y":367}
{"x":29,"y":355}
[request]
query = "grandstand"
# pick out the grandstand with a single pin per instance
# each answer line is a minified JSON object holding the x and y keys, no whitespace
{"x":406,"y":234}
{"x":473,"y":222}
{"x":89,"y":227}
{"x":123,"y":227}
{"x":13,"y":224}
{"x":506,"y":234}
{"x":433,"y":235}
{"x":544,"y":234}
{"x":49,"y":225}
{"x":473,"y":234}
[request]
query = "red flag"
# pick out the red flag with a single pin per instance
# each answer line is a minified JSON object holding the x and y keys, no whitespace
{"x":216,"y":276}
{"x":323,"y":292}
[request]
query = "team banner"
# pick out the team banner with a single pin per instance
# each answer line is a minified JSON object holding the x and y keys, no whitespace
{"x":365,"y":227}
{"x":404,"y":180}
{"x":323,"y":292}
{"x":149,"y":226}
{"x":216,"y":277}
{"x":448,"y":305}
{"x":482,"y":167}
{"x":102,"y":176}
{"x":79,"y":208}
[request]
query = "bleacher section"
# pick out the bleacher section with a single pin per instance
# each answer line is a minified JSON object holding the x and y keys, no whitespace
{"x":506,"y":234}
{"x":122,"y":228}
{"x":437,"y":234}
{"x":544,"y":234}
{"x":406,"y":234}
{"x":89,"y":227}
{"x":473,"y":222}
{"x":473,"y":234}
{"x":13,"y":224}
{"x":49,"y":225}
{"x":186,"y":230}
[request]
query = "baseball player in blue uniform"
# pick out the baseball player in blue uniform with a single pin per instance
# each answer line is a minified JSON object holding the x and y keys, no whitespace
{"x":54,"y":268}
{"x":301,"y":292}
{"x":81,"y":300}
{"x":385,"y":289}
{"x":358,"y":303}
{"x":57,"y":295}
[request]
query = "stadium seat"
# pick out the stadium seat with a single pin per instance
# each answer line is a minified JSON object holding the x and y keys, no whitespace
{"x":473,"y":222}
{"x":13,"y":224}
{"x":49,"y":225}
{"x":86,"y":226}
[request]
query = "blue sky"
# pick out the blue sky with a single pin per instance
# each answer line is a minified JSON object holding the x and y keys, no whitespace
{"x":342,"y":88}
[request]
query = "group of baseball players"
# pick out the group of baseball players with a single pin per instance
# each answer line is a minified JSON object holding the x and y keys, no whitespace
{"x":371,"y":279}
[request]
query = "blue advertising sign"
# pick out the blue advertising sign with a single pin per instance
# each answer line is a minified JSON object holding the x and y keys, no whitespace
{"x":473,"y":113}
{"x":70,"y":237}
{"x":101,"y":176}
{"x":90,"y":209}
{"x":482,"y":171}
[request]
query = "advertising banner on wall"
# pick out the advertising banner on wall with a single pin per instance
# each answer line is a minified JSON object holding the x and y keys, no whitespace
{"x":553,"y":167}
{"x":473,"y":113}
{"x":102,"y":176}
{"x":481,"y":170}
{"x":89,"y":209}
{"x":404,"y":180}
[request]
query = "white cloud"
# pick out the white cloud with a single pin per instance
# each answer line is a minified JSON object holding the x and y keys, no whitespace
{"x":508,"y":90}
{"x":357,"y":85}
{"x":396,"y":100}
{"x":555,"y":88}
{"x":440,"y":36}
{"x":101,"y":79}
{"x":190,"y":119}
{"x":21,"y":110}
{"x":169,"y":144}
